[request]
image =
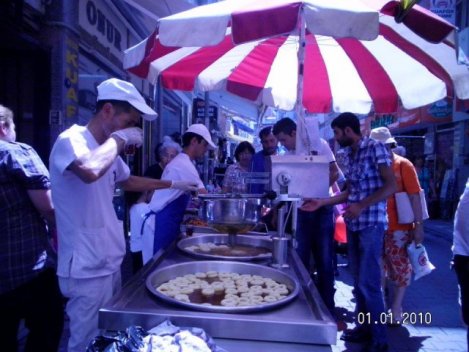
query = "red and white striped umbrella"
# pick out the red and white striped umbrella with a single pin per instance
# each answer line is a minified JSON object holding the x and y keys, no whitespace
{"x":257,"y":19}
{"x":340,"y":74}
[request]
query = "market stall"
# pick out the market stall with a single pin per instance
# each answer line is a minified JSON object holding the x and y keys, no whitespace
{"x":301,"y":322}
{"x":248,"y":290}
{"x":300,"y":325}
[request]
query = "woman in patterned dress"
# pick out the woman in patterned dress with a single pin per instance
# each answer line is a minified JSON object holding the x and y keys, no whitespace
{"x":233,"y":180}
{"x":397,"y":267}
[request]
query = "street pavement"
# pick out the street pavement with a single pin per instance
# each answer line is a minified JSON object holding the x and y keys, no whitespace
{"x":435,"y":294}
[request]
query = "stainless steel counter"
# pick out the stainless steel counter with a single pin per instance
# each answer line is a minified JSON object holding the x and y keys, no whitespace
{"x":302,"y":325}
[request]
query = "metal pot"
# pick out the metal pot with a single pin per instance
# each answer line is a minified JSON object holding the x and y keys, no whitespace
{"x":231,"y":213}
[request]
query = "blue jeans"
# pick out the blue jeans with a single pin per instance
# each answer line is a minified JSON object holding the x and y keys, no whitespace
{"x":314,"y":234}
{"x":365,"y":248}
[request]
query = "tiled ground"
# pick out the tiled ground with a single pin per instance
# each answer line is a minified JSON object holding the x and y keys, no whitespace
{"x":436,"y":294}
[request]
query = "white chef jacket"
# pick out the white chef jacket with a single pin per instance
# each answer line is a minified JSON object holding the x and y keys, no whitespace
{"x":90,"y":236}
{"x":181,"y":168}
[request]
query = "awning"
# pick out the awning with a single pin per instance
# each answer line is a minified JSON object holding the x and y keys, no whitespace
{"x":161,"y":8}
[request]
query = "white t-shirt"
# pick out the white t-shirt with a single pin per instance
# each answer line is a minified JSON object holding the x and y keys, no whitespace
{"x":90,"y":236}
{"x":461,"y":225}
{"x":181,"y":168}
{"x":324,"y":149}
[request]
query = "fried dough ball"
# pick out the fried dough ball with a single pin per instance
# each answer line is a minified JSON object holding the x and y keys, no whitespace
{"x":208,"y":291}
{"x":182,"y":297}
{"x":271,"y":298}
{"x":227,"y":302}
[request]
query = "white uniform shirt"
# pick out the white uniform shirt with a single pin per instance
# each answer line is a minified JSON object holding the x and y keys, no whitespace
{"x":324,"y":149}
{"x":181,"y":168}
{"x":90,"y":236}
{"x":461,"y":225}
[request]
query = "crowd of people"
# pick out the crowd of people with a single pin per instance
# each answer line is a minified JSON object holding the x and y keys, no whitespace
{"x":39,"y":281}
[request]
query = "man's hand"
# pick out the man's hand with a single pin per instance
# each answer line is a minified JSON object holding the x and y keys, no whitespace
{"x":311,"y":204}
{"x":184,"y":185}
{"x":353,"y":211}
{"x":130,"y":136}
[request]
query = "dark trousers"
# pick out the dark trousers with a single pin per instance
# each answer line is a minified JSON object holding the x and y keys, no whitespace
{"x":39,"y":303}
{"x":314,"y":235}
{"x":461,"y":266}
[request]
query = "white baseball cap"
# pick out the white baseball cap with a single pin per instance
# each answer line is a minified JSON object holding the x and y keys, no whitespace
{"x":116,"y":89}
{"x":382,"y":134}
{"x":202,"y":131}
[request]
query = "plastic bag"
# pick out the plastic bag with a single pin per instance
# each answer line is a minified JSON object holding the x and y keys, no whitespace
{"x":164,"y":337}
{"x":418,"y":257}
{"x":340,"y":231}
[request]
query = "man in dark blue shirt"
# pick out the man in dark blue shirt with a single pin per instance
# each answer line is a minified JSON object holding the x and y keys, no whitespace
{"x":261,"y":160}
{"x":28,"y":285}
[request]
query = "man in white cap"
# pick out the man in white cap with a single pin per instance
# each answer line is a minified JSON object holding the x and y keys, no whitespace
{"x":85,"y":167}
{"x":168,"y":205}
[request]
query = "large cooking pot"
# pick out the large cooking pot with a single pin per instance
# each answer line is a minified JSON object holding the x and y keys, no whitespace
{"x":231,"y":213}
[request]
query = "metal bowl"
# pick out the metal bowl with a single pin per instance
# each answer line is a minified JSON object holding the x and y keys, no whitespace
{"x":163,"y":275}
{"x":231,"y":213}
{"x":250,"y":241}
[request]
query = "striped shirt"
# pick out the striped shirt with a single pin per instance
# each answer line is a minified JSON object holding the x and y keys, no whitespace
{"x":23,"y":240}
{"x":363,"y":179}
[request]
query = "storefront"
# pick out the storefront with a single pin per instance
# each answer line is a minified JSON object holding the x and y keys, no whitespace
{"x":436,"y":135}
{"x":25,"y":70}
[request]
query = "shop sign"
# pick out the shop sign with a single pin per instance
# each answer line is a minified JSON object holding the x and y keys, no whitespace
{"x":97,"y":19}
{"x":445,"y":9}
{"x":440,"y":109}
{"x":198,"y":111}
{"x":71,"y":78}
{"x":408,"y":118}
{"x":55,"y":117}
{"x":383,"y":120}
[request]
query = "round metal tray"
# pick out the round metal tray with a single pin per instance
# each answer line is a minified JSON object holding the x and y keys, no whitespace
{"x":163,"y":275}
{"x":224,"y":239}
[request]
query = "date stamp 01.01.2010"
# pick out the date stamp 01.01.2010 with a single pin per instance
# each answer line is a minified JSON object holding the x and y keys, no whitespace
{"x":411,"y":318}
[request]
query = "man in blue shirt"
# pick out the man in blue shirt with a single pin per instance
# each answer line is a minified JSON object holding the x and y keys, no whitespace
{"x":370,"y":181}
{"x":261,"y":160}
{"x":28,"y":285}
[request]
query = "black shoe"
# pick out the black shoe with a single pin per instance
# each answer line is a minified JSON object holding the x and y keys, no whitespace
{"x":376,"y":347}
{"x":357,"y":335}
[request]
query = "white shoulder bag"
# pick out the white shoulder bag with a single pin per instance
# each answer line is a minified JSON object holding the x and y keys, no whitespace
{"x":405,"y":214}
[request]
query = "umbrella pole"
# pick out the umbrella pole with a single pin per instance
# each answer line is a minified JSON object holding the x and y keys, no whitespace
{"x":206,"y":123}
{"x":303,"y":144}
